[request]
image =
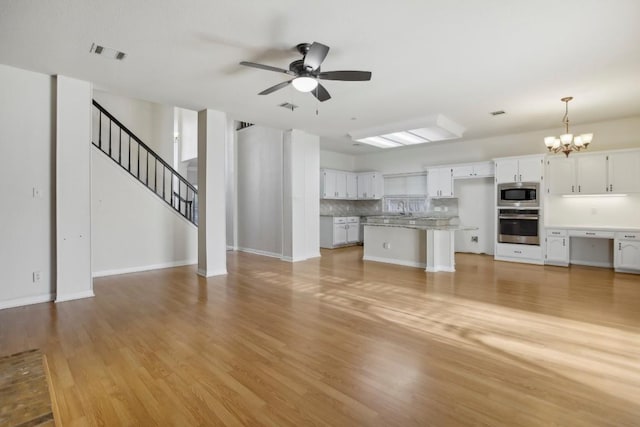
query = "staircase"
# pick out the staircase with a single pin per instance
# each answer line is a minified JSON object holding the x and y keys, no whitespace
{"x":134,"y":156}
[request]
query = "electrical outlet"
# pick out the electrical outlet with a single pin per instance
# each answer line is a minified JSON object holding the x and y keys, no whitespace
{"x":386,"y":245}
{"x":37,"y":276}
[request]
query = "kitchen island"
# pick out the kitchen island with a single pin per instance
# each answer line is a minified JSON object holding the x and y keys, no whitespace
{"x":423,"y":242}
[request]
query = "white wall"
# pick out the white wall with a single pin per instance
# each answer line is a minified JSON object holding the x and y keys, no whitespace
{"x":187,"y":133}
{"x":608,"y":135}
{"x":27,"y":141}
{"x":593,"y":211}
{"x":260,"y":169}
{"x":133,"y":229}
{"x":151,"y":122}
{"x":476,"y":208}
{"x":333,"y":160}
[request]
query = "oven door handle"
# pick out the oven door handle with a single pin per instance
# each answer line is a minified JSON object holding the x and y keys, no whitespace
{"x":518,"y":217}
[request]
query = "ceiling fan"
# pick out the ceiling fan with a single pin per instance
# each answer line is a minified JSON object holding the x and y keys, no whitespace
{"x":306,"y":72}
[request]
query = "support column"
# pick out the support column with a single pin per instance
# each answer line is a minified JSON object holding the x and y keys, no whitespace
{"x":212,"y":244}
{"x":73,"y":189}
{"x":301,"y":196}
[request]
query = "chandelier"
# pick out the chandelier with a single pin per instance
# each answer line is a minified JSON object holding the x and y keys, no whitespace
{"x":567,"y":142}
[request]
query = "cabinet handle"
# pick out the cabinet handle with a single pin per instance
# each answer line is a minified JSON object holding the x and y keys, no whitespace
{"x":563,"y":242}
{"x":610,"y":187}
{"x":514,"y":178}
{"x":619,"y":246}
{"x":573,"y":189}
{"x":520,"y":177}
{"x":517,"y":252}
{"x":579,"y":189}
{"x":590,"y":234}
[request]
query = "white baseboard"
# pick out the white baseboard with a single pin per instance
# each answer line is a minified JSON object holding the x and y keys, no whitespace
{"x":143,"y":268}
{"x":591,"y":263}
{"x":212,"y":273}
{"x":302,"y":258}
{"x":438,"y":268}
{"x":395,"y":261}
{"x":77,"y":295}
{"x":519,"y":260}
{"x":259,"y":252}
{"x":19,"y":302}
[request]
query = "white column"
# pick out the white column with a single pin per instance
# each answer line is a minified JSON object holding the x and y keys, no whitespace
{"x":301,"y":196}
{"x":440,"y":251}
{"x":212,"y":245}
{"x":73,"y":189}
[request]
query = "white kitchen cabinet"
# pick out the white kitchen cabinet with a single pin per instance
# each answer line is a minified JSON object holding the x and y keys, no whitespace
{"x":440,"y":182}
{"x":591,"y":174}
{"x":594,"y":173}
{"x":519,"y":169}
{"x":370,"y":185}
{"x":474,"y":170}
{"x":624,"y":172}
{"x":626,"y":255}
{"x":557,"y":243}
{"x":328,"y":189}
{"x":339,"y":231}
{"x":352,"y":186}
{"x":561,"y":175}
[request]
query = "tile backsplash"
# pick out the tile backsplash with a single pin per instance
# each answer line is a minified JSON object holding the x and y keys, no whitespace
{"x":350,"y":207}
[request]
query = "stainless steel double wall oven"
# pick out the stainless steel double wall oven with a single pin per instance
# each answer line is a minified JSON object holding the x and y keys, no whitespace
{"x":519,"y":213}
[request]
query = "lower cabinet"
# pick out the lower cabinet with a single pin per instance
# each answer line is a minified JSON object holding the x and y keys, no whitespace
{"x":531,"y":254}
{"x":557,"y":247}
{"x":626,"y":256}
{"x":339,"y":231}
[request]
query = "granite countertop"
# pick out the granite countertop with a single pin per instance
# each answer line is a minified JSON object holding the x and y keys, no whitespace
{"x":457,"y":227}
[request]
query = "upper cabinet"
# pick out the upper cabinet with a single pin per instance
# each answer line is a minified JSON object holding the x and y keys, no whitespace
{"x":594,"y":173}
{"x":337,"y":184}
{"x":411,"y":184}
{"x":474,"y":170}
{"x":440,"y":182}
{"x":519,"y":169}
{"x":370,"y":185}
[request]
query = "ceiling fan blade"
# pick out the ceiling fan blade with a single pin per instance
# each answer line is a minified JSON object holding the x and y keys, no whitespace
{"x":316,"y":54}
{"x":266,"y":67}
{"x":275,"y":88}
{"x":321,"y":93}
{"x":350,"y":76}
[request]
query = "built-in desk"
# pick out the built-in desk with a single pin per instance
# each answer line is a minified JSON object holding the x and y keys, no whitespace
{"x":608,"y":247}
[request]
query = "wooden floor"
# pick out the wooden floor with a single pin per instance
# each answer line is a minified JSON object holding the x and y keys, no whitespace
{"x":339,"y":342}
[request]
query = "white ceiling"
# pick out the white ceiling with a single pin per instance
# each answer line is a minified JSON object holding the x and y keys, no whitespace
{"x":460,"y":58}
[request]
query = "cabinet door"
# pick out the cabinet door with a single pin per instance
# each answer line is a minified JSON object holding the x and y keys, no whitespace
{"x":339,"y":234}
{"x":530,"y":169}
{"x":557,"y":249}
{"x":592,"y":174}
{"x":483,"y":169}
{"x":353,"y":232}
{"x":507,"y":170}
{"x":561,"y":177}
{"x":341,"y":185}
{"x":328,"y":184}
{"x":365,"y":185}
{"x":463,"y":171}
{"x":377,"y":185}
{"x":446,"y":182}
{"x":624,"y":172}
{"x":352,"y":186}
{"x":433,"y":182}
{"x":627,"y":254}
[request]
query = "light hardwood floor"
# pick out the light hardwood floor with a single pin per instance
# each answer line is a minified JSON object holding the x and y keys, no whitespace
{"x":340,"y":342}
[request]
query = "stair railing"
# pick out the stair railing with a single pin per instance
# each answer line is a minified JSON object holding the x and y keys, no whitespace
{"x":134,"y":156}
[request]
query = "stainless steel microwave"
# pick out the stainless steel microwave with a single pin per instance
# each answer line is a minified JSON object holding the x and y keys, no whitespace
{"x":519,"y":194}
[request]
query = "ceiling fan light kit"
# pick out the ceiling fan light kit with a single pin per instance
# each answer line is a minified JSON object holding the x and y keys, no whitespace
{"x":567,"y":142}
{"x":306,"y":72}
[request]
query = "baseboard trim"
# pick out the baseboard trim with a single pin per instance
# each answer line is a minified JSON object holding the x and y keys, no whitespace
{"x":395,"y":261}
{"x":74,"y":296}
{"x":19,"y":302}
{"x":520,"y":260}
{"x":302,"y":258}
{"x":439,"y":268}
{"x":204,"y":273}
{"x":591,"y":263}
{"x":259,"y":252}
{"x":144,"y":268}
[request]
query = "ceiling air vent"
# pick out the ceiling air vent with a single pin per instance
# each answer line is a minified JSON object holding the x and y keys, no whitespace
{"x":497,"y":113}
{"x":107,"y":52}
{"x":288,"y":106}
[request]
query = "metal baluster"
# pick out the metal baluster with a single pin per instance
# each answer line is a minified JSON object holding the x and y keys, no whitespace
{"x":179,"y":197}
{"x":164,"y":186}
{"x":172,"y":199}
{"x":138,"y":168}
{"x":147,"y":173}
{"x":129,"y":163}
{"x":155,"y":175}
{"x":110,"y":137}
{"x":100,"y":129}
{"x":120,"y":148}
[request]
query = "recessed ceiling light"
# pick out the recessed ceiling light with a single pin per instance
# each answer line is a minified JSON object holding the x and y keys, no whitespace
{"x":497,"y":113}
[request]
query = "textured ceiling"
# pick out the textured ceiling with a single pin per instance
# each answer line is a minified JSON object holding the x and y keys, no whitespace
{"x":459,"y":58}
